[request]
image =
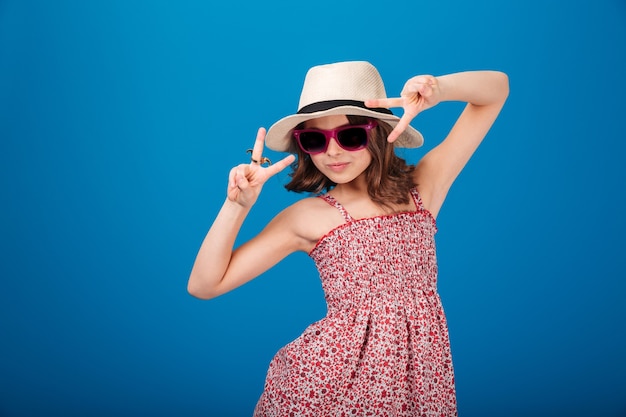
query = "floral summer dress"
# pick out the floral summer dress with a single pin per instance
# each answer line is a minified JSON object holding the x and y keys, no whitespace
{"x":383,"y":348}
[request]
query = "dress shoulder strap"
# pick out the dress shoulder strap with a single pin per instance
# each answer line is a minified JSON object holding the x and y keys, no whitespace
{"x":417,"y":199}
{"x":331,"y":200}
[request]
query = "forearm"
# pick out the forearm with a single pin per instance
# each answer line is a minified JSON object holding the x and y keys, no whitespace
{"x":479,"y":88}
{"x":216,"y":250}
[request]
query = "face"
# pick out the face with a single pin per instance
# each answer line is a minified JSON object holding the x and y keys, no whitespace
{"x":339,"y":165}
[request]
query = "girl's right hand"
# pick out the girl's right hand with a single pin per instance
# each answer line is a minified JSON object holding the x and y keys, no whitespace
{"x":245,"y":181}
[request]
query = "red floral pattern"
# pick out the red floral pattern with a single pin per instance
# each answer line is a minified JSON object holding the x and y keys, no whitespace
{"x":383,"y":348}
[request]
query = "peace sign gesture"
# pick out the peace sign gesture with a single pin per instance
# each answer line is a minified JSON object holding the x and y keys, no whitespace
{"x":419,"y":93}
{"x":245,"y":181}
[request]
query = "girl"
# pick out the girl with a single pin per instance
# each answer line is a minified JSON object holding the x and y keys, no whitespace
{"x":383,"y":348}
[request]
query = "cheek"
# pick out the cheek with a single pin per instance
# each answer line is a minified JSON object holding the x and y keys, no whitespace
{"x":316,"y":160}
{"x":366,"y":157}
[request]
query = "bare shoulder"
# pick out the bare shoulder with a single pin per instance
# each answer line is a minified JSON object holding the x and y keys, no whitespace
{"x":310,"y":219}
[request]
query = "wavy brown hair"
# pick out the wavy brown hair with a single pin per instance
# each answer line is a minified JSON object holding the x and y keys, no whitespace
{"x":389,"y":177}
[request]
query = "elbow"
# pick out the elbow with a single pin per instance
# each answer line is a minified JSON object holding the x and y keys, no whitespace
{"x":200,"y":290}
{"x":503,"y":83}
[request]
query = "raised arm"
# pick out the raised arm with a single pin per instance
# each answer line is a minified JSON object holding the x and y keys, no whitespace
{"x":484,"y":92}
{"x":218,"y":268}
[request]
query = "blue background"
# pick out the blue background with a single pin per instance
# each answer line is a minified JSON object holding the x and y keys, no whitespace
{"x":119,"y":121}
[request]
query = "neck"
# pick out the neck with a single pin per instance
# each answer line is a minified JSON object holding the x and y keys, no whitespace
{"x":356,"y":187}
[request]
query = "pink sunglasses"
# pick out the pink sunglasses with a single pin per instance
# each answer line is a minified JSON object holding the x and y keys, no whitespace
{"x":348,"y":137}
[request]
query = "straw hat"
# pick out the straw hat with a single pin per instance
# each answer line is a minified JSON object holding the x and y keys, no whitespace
{"x":339,"y":88}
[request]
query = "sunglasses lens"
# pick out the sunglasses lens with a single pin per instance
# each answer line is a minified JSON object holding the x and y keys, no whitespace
{"x":353,"y":138}
{"x":313,"y":142}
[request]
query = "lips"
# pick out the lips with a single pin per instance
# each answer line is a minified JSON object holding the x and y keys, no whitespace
{"x":337,"y":166}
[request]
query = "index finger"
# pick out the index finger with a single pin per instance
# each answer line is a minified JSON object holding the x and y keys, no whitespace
{"x":385,"y":102}
{"x":280,"y":165}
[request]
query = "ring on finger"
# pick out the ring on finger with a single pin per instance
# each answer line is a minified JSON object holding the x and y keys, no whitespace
{"x":263,"y":160}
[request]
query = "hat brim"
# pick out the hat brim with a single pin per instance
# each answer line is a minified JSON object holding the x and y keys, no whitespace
{"x":279,"y":139}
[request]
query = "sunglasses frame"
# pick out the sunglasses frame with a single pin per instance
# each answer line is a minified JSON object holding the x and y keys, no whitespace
{"x":333,"y":133}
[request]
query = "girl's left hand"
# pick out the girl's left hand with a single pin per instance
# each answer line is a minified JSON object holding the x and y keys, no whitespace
{"x":419,"y":93}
